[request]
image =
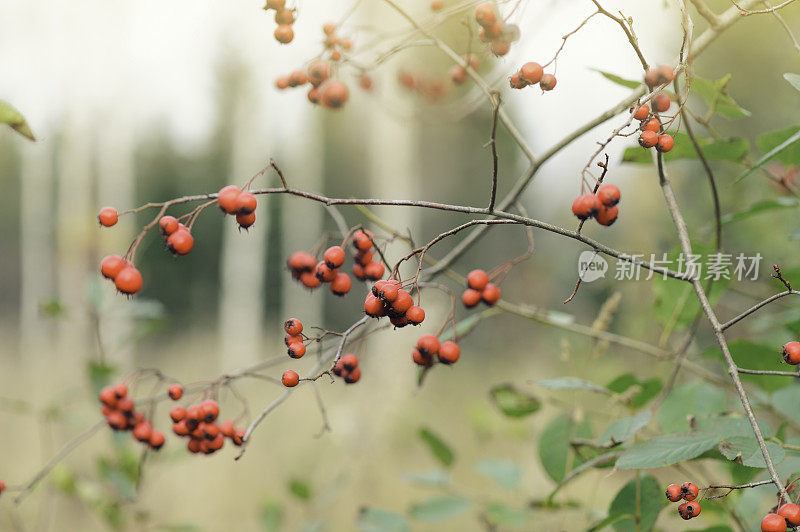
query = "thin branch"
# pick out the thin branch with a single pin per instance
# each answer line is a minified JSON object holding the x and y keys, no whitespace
{"x":757,"y":306}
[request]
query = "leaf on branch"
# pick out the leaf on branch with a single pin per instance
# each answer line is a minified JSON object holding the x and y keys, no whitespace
{"x":439,"y":508}
{"x":732,"y":150}
{"x":624,"y":429}
{"x":715,"y":94}
{"x":666,"y":450}
{"x":377,"y":520}
{"x":12,"y":117}
{"x":502,"y":516}
{"x":438,"y":448}
{"x":300,"y":489}
{"x":512,"y":402}
{"x":793,"y":79}
{"x":629,"y":83}
{"x":781,"y":145}
{"x":644,"y":390}
{"x":572,"y":383}
{"x":696,"y":399}
{"x":744,"y":450}
{"x":555,"y":452}
{"x":643,"y":497}
{"x":759,"y":207}
{"x":750,"y":355}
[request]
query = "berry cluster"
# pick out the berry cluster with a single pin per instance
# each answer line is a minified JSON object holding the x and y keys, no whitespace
{"x":234,"y":201}
{"x":601,"y":206}
{"x":788,"y":516}
{"x":294,"y":339}
{"x":177,"y":236}
{"x":458,"y":74}
{"x":650,"y":124}
{"x":126,"y":278}
{"x":365,"y":266}
{"x":532,"y":73}
{"x":480,"y":289}
{"x":347,"y":368}
{"x":428,"y":346}
{"x":387,"y":298}
{"x":334,"y":43}
{"x":688,"y":491}
{"x":331,"y":93}
{"x":791,"y":353}
{"x":284,"y":17}
{"x":432,"y":88}
{"x":120,"y":412}
{"x":198,"y":423}
{"x":493,"y":29}
{"x":307,"y":270}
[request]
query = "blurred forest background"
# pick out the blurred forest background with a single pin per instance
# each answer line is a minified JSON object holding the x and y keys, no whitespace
{"x":143,"y":101}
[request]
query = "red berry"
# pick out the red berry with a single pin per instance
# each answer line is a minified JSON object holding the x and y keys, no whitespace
{"x":531,"y":72}
{"x":607,"y":215}
{"x":790,"y":512}
{"x":353,"y":377}
{"x":293,"y":326}
{"x":458,"y":75}
{"x":227,"y":199}
{"x":180,"y":428}
{"x":608,"y":194}
{"x":284,"y":33}
{"x":296,"y":350}
{"x":128,"y":280}
{"x":665,"y":143}
{"x":180,"y":242}
{"x":403,"y":303}
{"x":246,"y":203}
{"x":791,"y":353}
{"x":422,"y":359}
{"x":388,"y":292}
{"x":2,"y":486}
{"x":227,"y":429}
{"x":449,"y":352}
{"x":651,"y":125}
{"x":470,"y":297}
{"x":108,"y":216}
{"x":324,"y":273}
{"x":111,"y":266}
{"x":177,"y":414}
{"x":374,"y":270}
{"x":586,"y":206}
{"x":286,"y":16}
{"x":142,"y":431}
{"x":318,"y":71}
{"x":364,"y":257}
{"x":648,"y":139}
{"x":428,"y":344}
{"x":309,"y":280}
{"x":689,"y":491}
{"x":674,"y":493}
{"x":156,"y":440}
{"x":334,"y":257}
{"x":477,"y":279}
{"x":362,"y":240}
{"x":108,"y":397}
{"x":210,"y":410}
{"x":415,"y":315}
{"x":349,"y":361}
{"x":689,"y":510}
{"x":642,"y":112}
{"x":290,"y":378}
{"x":116,"y":420}
{"x":341,"y":284}
{"x":485,"y":14}
{"x":516,"y":81}
{"x":334,"y":94}
{"x":373,"y":306}
{"x":548,"y":82}
{"x":772,"y":523}
{"x":399,"y":320}
{"x":661,"y":102}
{"x":175,"y":391}
{"x":358,"y":272}
{"x":491,"y":294}
{"x":168,"y":225}
{"x":300,"y":261}
{"x":120,"y":390}
{"x":245,"y":220}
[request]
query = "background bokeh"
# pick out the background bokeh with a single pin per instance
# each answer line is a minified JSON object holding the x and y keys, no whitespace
{"x":142,"y":101}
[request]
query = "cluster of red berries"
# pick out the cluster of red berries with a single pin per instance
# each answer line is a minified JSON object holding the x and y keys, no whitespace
{"x":234,"y":201}
{"x":601,"y":206}
{"x":334,"y":43}
{"x":198,"y":423}
{"x":428,"y":346}
{"x":688,"y":491}
{"x":177,"y":236}
{"x":347,"y":368}
{"x":284,"y":17}
{"x":532,"y":73}
{"x":791,"y":353}
{"x":120,"y":412}
{"x":307,"y":270}
{"x":126,"y":277}
{"x":658,"y":76}
{"x":331,"y":93}
{"x":649,"y":124}
{"x":432,"y":88}
{"x":294,"y":339}
{"x":493,"y":29}
{"x":365,"y":267}
{"x":387,"y":298}
{"x":788,"y":516}
{"x":458,"y":74}
{"x":480,"y":289}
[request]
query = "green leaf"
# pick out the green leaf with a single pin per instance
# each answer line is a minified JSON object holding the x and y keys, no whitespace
{"x":698,"y":399}
{"x":732,"y":150}
{"x":793,"y":79}
{"x":555,"y":452}
{"x":786,"y":400}
{"x":376,"y":520}
{"x":787,"y":151}
{"x":439,"y":508}
{"x":745,"y":450}
{"x":300,"y":489}
{"x":504,"y":472}
{"x":772,"y":139}
{"x":440,"y":450}
{"x":12,"y":117}
{"x":629,"y":83}
{"x":434,"y":477}
{"x":715,"y":95}
{"x":666,"y":450}
{"x":750,"y":355}
{"x":648,"y":389}
{"x":571,"y":383}
{"x":512,"y":402}
{"x":502,"y":516}
{"x":272,"y":516}
{"x":727,"y":426}
{"x":624,"y":429}
{"x":650,"y":502}
{"x":759,"y":207}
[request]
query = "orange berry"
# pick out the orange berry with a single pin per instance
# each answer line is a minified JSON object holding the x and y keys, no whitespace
{"x":374,"y":270}
{"x":403,"y":303}
{"x":470,"y":297}
{"x":334,"y":257}
{"x":108,"y":397}
{"x":437,"y":5}
{"x":275,"y":4}
{"x":673,"y":493}
{"x":168,"y":225}
{"x":334,"y":94}
{"x":292,"y":338}
{"x":790,"y":512}
{"x":358,"y":271}
{"x":458,"y":75}
{"x":293,"y":326}
{"x":485,"y":14}
{"x":117,"y":421}
{"x":531,"y":72}
{"x":770,"y":523}
{"x":111,"y":266}
{"x":329,"y":28}
{"x":120,"y":390}
{"x":665,"y":143}
{"x":108,"y":216}
{"x":642,"y":112}
{"x":607,"y":215}
{"x":349,"y":361}
{"x":661,"y":102}
{"x":422,"y":359}
{"x":296,"y":350}
{"x":297,"y":78}
{"x":651,"y":125}
{"x":301,"y":261}
{"x":227,"y":429}
{"x":449,"y":352}
{"x":180,"y":428}
{"x":689,"y":510}
{"x":309,"y":280}
{"x":336,"y":55}
{"x":586,"y":206}
{"x":284,"y":16}
{"x":689,"y":491}
{"x":290,"y":378}
{"x":388,"y":292}
{"x":491,"y":294}
{"x":246,"y":220}
{"x":210,"y":410}
{"x":341,"y":284}
{"x":246,"y":203}
{"x":364,"y":257}
{"x":180,"y":242}
{"x":791,"y":353}
{"x":126,"y":405}
{"x":128,"y":280}
{"x":318,"y":71}
{"x":353,"y":376}
{"x":500,"y":48}
{"x":516,"y":81}
{"x":477,"y":279}
{"x":648,"y":139}
{"x":548,"y":82}
{"x":284,"y":34}
{"x":175,"y":391}
{"x":282,"y":82}
{"x":365,"y":82}
{"x":227,"y":198}
{"x":142,"y":431}
{"x":156,"y":440}
{"x":399,"y":320}
{"x":608,"y":194}
{"x":324,"y":273}
{"x":373,"y":306}
{"x":177,"y":414}
{"x":428,"y":344}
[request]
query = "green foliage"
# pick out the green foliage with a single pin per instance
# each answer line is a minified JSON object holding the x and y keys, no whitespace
{"x":438,"y":448}
{"x":697,"y":399}
{"x":744,"y":450}
{"x":300,"y":489}
{"x":786,"y":400}
{"x":666,"y":450}
{"x":750,"y":355}
{"x":643,"y":494}
{"x":272,"y":516}
{"x":733,"y":150}
{"x":555,"y":452}
{"x":502,"y":516}
{"x":628,"y":83}
{"x":434,"y":477}
{"x":15,"y":120}
{"x":621,"y":430}
{"x":377,"y":520}
{"x":512,"y":402}
{"x":716,"y":97}
{"x":504,"y":472}
{"x":646,"y":390}
{"x":781,"y":145}
{"x":761,"y":207}
{"x":440,"y":508}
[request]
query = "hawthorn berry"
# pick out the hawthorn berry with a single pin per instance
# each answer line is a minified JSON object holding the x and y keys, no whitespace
{"x":689,"y":510}
{"x":364,"y":257}
{"x":689,"y":491}
{"x":458,"y":75}
{"x":642,"y":112}
{"x":608,"y":194}
{"x":309,"y":280}
{"x":373,"y":307}
{"x":275,"y":4}
{"x":126,"y":405}
{"x":210,"y":430}
{"x":362,"y":240}
{"x":585,"y":206}
{"x":284,"y":16}
{"x":290,"y":378}
{"x":398,"y":320}
{"x":300,"y":261}
{"x":658,"y":76}
{"x":293,"y":326}
{"x":607,"y":215}
{"x":227,"y":199}
{"x":349,"y":361}
{"x":665,"y":143}
{"x":334,"y":94}
{"x":168,"y":225}
{"x":180,"y":428}
{"x":111,"y":266}
{"x":156,"y":440}
{"x":108,"y":397}
{"x":548,"y":82}
{"x":500,"y":48}
{"x":175,"y":391}
{"x":128,"y":280}
{"x":353,"y":376}
{"x":318,"y":71}
{"x":389,"y":291}
{"x":428,"y":344}
{"x":210,"y":410}
{"x":415,"y":315}
{"x":449,"y":352}
{"x":648,"y":139}
{"x":296,"y":350}
{"x":374,"y":270}
{"x":674,"y":493}
{"x":116,"y":420}
{"x":282,"y":82}
{"x":325,"y":274}
{"x":661,"y":102}
{"x":142,"y":431}
{"x":485,"y":14}
{"x":108,"y":216}
{"x":422,"y":359}
{"x":470,"y":298}
{"x":2,"y":486}
{"x":531,"y":72}
{"x":120,"y":390}
{"x":336,"y":55}
{"x":284,"y":34}
{"x":246,"y":203}
{"x":358,"y":271}
{"x":437,"y":5}
{"x":790,"y":512}
{"x":227,"y":429}
{"x":334,"y":257}
{"x":314,"y":95}
{"x":245,"y":220}
{"x":180,"y":242}
{"x":297,"y":78}
{"x":477,"y":279}
{"x":791,"y":353}
{"x":773,"y":523}
{"x":177,"y":414}
{"x":403,"y":303}
{"x":651,"y":125}
{"x":341,"y":284}
{"x":491,"y":294}
{"x":515,"y":81}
